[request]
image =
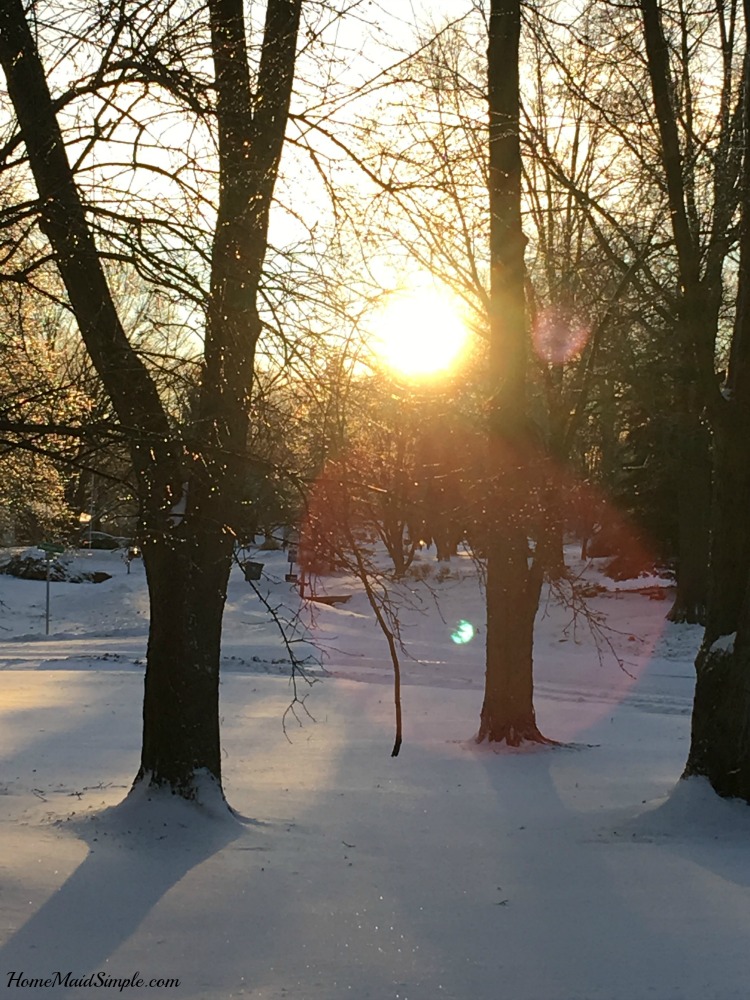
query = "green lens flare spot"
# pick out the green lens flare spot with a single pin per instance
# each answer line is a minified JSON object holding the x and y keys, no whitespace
{"x":462,"y":633}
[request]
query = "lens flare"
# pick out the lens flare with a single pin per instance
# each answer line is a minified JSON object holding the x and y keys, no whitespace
{"x":462,"y":633}
{"x":559,"y":336}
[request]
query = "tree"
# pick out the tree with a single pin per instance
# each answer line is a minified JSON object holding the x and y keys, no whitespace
{"x":720,"y":737}
{"x":514,"y":578}
{"x":691,"y":70}
{"x":36,"y":391}
{"x":187,"y":489}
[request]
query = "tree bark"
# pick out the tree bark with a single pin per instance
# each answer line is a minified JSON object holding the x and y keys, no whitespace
{"x":187,"y":589}
{"x":512,"y":600}
{"x":720,"y":731}
{"x":694,"y":517}
{"x":513,"y":578}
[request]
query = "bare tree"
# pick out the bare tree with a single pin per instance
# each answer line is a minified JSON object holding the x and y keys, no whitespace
{"x":720,"y":739}
{"x":514,"y":576}
{"x":187,"y":489}
{"x":685,"y":146}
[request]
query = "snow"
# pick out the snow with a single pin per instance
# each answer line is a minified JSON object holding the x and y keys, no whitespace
{"x":724,"y":644}
{"x":588,"y":871}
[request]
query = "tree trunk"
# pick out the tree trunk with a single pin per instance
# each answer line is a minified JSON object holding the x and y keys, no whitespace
{"x":694,"y":518}
{"x":512,"y":584}
{"x":512,"y":600}
{"x":391,"y":530}
{"x":187,"y":582}
{"x":720,"y":736}
{"x":551,"y":541}
{"x":443,"y":537}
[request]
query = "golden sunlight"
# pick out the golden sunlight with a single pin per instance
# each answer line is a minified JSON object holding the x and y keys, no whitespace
{"x":420,"y":334}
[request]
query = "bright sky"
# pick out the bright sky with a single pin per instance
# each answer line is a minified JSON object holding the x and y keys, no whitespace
{"x":421,"y":332}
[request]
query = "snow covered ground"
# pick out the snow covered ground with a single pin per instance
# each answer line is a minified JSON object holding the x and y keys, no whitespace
{"x":583,"y":872}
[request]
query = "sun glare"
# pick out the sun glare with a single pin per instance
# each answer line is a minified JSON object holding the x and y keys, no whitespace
{"x":420,"y":334}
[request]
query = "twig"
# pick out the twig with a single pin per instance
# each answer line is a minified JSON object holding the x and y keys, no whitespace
{"x":298,"y":667}
{"x":389,"y":633}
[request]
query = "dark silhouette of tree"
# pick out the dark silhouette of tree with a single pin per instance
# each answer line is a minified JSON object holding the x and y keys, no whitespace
{"x":720,"y":739}
{"x":698,"y":153}
{"x":514,"y":575}
{"x":187,"y":489}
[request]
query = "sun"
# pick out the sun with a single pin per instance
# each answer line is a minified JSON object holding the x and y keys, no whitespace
{"x":420,"y":334}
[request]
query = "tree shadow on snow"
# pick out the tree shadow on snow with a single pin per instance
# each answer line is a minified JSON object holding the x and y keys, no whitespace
{"x":138,"y":851}
{"x":595,"y":905}
{"x":696,"y":824}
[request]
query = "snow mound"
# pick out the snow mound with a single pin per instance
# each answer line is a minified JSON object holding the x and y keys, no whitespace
{"x":693,"y":810}
{"x":150,"y":815}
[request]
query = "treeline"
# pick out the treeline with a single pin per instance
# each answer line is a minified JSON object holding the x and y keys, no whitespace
{"x":200,"y":208}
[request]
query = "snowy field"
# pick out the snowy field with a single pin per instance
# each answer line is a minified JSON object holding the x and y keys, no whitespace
{"x":581,"y":872}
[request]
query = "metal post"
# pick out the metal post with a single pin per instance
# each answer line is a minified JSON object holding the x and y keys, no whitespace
{"x":46,"y":622}
{"x":93,"y":506}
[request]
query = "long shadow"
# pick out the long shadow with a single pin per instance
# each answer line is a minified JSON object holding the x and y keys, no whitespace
{"x":128,"y":869}
{"x":491,"y":871}
{"x":627,"y":912}
{"x":695,"y":824}
{"x":473,"y":870}
{"x":131,"y":862}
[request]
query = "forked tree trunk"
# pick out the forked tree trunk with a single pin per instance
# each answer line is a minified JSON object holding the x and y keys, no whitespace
{"x":187,"y":554}
{"x":513,"y":580}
